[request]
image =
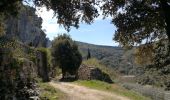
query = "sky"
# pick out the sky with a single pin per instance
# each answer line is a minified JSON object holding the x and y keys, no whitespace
{"x":100,"y":32}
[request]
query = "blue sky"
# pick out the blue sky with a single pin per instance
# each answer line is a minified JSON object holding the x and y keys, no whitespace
{"x":100,"y":32}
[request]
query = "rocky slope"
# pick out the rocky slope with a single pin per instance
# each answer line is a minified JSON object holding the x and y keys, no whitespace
{"x":21,"y":63}
{"x":26,"y":27}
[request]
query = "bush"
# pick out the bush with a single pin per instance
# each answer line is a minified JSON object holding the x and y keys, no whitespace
{"x":66,"y":55}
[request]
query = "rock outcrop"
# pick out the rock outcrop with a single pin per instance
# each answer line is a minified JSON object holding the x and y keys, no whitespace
{"x":19,"y":67}
{"x":27,"y":28}
{"x":20,"y":61}
{"x":92,"y":73}
{"x":17,"y":75}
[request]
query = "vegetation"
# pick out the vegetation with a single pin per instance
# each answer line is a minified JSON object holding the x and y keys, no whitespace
{"x":112,"y":88}
{"x":113,"y":57}
{"x":19,"y":50}
{"x":2,"y":31}
{"x":137,"y":20}
{"x":66,"y":55}
{"x":88,"y":54}
{"x":47,"y":52}
{"x":157,"y":72}
{"x":50,"y":93}
{"x":96,"y":63}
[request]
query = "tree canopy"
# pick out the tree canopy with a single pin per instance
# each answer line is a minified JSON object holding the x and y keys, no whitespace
{"x":136,"y":20}
{"x":68,"y":12}
{"x":66,"y":55}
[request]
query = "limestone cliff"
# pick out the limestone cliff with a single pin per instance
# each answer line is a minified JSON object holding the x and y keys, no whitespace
{"x":26,"y":27}
{"x":20,"y":63}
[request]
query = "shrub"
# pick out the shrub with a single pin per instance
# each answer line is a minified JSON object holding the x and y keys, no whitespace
{"x":66,"y":55}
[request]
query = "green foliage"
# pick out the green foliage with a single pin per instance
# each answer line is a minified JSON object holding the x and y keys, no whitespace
{"x":158,"y":72}
{"x":135,"y":20}
{"x":10,"y":7}
{"x":138,"y":20}
{"x":114,"y":88}
{"x":47,"y":52}
{"x":9,"y":76}
{"x":19,"y":50}
{"x":66,"y":11}
{"x":115,"y":57}
{"x":65,"y":54}
{"x":49,"y":93}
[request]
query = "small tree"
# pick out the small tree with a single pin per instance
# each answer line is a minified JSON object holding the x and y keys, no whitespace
{"x":88,"y":54}
{"x":66,"y":55}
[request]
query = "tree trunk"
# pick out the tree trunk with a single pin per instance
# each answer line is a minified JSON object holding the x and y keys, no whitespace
{"x":63,"y":74}
{"x":166,"y":12}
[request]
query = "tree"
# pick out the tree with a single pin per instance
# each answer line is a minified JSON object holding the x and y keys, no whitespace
{"x":88,"y":54}
{"x":138,"y":20}
{"x":66,"y":55}
{"x":157,"y":72}
{"x":68,"y":12}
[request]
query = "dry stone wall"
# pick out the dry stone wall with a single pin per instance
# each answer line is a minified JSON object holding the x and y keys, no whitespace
{"x":92,"y":73}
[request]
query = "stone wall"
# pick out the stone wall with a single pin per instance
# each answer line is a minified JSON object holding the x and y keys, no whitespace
{"x":17,"y":77}
{"x":92,"y":73}
{"x":42,"y":66}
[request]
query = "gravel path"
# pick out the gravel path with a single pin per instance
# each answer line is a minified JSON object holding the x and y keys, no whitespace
{"x":76,"y":92}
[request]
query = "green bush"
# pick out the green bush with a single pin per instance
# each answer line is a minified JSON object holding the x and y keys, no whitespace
{"x":66,"y":55}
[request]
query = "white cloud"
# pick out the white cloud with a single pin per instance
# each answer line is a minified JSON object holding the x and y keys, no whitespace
{"x":49,"y":22}
{"x":52,"y":27}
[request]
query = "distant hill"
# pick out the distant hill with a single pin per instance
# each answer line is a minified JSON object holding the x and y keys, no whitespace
{"x":115,"y":57}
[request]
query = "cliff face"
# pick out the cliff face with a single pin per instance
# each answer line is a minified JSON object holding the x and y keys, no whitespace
{"x":27,"y":28}
{"x":21,"y":64}
{"x":17,"y":75}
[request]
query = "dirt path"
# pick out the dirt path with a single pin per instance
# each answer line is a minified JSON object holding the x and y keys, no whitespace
{"x":76,"y":92}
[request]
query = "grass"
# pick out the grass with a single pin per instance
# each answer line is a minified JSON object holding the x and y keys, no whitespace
{"x":96,"y":63}
{"x":114,"y":88}
{"x":48,"y":92}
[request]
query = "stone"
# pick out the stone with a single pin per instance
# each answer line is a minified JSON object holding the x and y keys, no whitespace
{"x":17,"y":77}
{"x":27,"y":28}
{"x":92,"y":73}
